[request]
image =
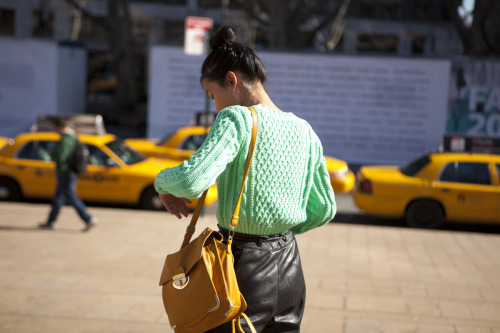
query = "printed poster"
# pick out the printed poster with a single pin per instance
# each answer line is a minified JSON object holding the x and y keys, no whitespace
{"x":474,"y":105}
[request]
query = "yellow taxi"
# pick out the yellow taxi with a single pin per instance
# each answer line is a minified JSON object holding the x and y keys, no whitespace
{"x":186,"y":140}
{"x":115,"y":172}
{"x":440,"y":186}
{"x":178,"y":146}
{"x":3,"y":141}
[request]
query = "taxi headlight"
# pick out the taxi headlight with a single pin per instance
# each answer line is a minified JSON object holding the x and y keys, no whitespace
{"x":340,"y":173}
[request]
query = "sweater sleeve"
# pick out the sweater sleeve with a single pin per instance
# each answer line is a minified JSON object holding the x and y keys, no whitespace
{"x":321,"y":206}
{"x":191,"y":178}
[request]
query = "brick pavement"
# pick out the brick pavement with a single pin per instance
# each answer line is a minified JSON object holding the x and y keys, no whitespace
{"x":360,"y":279}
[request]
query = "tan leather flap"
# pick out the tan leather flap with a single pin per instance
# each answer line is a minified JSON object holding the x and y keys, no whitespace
{"x":184,"y":259}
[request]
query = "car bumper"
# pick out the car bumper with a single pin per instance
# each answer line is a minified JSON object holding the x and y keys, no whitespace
{"x":379,"y":206}
{"x":343,"y":185}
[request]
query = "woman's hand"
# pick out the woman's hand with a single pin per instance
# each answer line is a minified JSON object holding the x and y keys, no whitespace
{"x":175,"y":206}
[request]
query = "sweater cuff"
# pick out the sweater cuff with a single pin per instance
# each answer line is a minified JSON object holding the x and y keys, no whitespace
{"x":159,"y":188}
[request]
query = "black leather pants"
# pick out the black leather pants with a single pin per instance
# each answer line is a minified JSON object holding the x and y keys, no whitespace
{"x":270,"y":278}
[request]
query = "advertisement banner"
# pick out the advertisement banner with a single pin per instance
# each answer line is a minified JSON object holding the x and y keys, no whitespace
{"x":474,"y":106}
{"x":175,"y":92}
{"x":365,"y":110}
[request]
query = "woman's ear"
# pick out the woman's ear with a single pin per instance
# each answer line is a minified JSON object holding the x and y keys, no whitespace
{"x":232,"y":79}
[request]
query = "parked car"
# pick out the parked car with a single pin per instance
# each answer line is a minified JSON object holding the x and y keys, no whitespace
{"x":186,"y":140}
{"x":437,"y":187}
{"x":3,"y":141}
{"x":179,"y":146}
{"x":116,"y":173}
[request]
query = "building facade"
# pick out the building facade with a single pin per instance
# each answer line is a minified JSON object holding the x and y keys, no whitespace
{"x":394,"y":27}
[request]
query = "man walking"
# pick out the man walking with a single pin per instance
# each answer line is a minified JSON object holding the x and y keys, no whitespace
{"x":66,"y":177}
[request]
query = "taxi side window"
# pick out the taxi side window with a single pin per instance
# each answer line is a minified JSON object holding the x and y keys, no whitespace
{"x":193,"y":142}
{"x":38,"y":150}
{"x":470,"y":173}
{"x":96,"y":156}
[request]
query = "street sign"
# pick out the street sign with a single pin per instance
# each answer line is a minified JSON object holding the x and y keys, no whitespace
{"x":196,"y":35}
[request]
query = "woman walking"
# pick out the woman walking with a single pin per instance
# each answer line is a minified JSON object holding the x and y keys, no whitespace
{"x":287,"y":191}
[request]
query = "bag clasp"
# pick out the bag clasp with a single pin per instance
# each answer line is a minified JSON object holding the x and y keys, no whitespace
{"x":180,"y":281}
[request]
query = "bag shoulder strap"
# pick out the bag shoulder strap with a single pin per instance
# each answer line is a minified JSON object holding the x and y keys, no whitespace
{"x":234,"y":220}
{"x":191,"y":228}
{"x":236,"y":323}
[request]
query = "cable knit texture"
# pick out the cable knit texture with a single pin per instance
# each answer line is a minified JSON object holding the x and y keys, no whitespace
{"x":288,"y":186}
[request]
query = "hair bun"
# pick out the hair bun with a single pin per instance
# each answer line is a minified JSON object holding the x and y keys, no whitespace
{"x":225,"y":36}
{"x":228,"y":54}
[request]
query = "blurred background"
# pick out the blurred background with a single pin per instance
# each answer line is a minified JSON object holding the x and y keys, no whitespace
{"x":104,"y":48}
{"x":380,"y":81}
{"x":404,"y":95}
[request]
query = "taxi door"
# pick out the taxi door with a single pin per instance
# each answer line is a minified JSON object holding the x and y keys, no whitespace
{"x":104,"y":180}
{"x":468,"y":191}
{"x":34,"y":168}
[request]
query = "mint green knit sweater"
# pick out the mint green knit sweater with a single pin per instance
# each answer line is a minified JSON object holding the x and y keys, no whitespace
{"x":288,"y":186}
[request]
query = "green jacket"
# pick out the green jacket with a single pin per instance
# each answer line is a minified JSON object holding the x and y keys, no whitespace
{"x":64,"y":153}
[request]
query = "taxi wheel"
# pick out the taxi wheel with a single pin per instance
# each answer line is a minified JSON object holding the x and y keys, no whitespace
{"x":425,"y":214}
{"x":150,"y":200}
{"x":9,"y":190}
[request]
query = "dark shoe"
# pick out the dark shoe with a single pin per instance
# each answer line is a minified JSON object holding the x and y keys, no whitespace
{"x":48,"y":226}
{"x":90,"y":225}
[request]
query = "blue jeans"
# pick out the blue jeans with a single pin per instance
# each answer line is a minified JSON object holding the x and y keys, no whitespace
{"x":66,"y":192}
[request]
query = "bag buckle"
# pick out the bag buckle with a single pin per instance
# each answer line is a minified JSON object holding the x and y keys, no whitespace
{"x":231,"y":234}
{"x":180,"y":281}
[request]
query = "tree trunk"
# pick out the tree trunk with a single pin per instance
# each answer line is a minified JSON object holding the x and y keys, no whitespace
{"x":122,"y":47}
{"x":118,"y":27}
{"x":277,"y":20}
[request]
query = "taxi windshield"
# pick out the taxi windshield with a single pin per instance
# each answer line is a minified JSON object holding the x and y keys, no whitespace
{"x":125,"y":153}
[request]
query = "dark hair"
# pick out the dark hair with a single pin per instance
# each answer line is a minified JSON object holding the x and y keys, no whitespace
{"x":227,"y":54}
{"x":59,"y":122}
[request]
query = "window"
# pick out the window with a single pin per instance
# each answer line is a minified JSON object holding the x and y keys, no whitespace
{"x":193,"y":142}
{"x":174,"y":32}
{"x":418,"y":44}
{"x":210,"y":3}
{"x":96,"y":156}
{"x":125,"y":153}
{"x":38,"y":150}
{"x":141,"y":29}
{"x":463,"y":172}
{"x":7,"y":22}
{"x":92,"y":31}
{"x":377,"y":10}
{"x":164,"y":2}
{"x":42,"y":23}
{"x":378,"y":43}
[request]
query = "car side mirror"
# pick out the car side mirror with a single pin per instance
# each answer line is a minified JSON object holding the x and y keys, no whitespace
{"x":111,"y":163}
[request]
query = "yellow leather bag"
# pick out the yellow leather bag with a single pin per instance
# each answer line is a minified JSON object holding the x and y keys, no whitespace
{"x":198,"y":282}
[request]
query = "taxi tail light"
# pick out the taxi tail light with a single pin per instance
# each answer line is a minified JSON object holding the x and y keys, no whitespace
{"x":366,"y":186}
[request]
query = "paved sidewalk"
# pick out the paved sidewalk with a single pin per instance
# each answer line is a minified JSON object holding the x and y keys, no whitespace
{"x":360,"y":279}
